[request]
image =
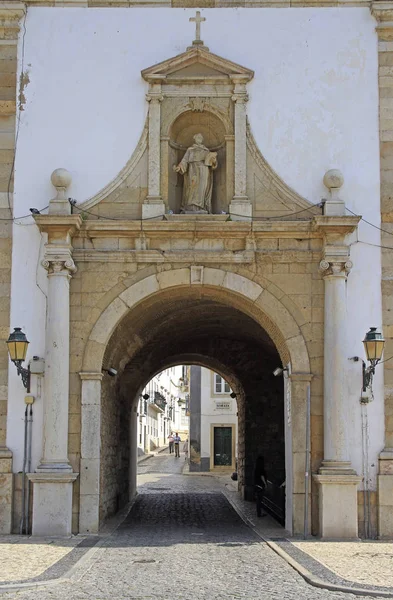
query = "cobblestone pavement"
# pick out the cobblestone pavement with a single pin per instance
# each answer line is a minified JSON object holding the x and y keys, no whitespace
{"x":22,"y":558}
{"x":182,"y":540}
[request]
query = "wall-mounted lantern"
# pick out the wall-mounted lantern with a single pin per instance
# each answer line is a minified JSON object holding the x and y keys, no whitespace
{"x":373,"y":345}
{"x":17,"y":349}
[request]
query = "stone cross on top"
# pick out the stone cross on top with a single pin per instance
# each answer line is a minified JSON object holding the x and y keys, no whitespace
{"x":198,"y":20}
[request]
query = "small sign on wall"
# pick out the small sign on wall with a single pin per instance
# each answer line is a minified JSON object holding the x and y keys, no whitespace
{"x":223,"y":405}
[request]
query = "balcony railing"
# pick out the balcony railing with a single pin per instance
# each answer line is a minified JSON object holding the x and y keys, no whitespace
{"x":159,"y":400}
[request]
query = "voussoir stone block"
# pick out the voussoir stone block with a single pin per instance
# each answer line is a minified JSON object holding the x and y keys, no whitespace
{"x":298,"y":350}
{"x":94,"y":355}
{"x":278,"y":313}
{"x":213,"y":277}
{"x":108,"y":320}
{"x":140,"y":290}
{"x":243,"y":286}
{"x":173,"y":278}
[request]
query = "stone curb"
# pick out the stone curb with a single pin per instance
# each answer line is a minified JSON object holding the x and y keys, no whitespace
{"x":305,"y":573}
{"x":147,"y":456}
{"x":83,"y":564}
{"x":320,"y":583}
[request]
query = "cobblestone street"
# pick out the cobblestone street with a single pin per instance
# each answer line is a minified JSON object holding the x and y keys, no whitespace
{"x":182,"y":540}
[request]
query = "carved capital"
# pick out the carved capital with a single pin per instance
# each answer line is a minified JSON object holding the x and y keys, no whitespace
{"x":240,"y":98}
{"x":59,"y":265}
{"x":154,"y":98}
{"x":333,"y":268}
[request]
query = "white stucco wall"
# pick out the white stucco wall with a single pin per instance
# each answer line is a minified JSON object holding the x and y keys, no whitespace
{"x":211,"y":415}
{"x":313,"y":106}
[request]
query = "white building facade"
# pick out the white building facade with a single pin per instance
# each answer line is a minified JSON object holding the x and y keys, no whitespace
{"x":286,"y":271}
{"x":213,"y":422}
{"x":162,"y":409}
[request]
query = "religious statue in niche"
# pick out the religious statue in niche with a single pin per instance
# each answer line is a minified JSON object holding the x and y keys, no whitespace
{"x":197,"y":166}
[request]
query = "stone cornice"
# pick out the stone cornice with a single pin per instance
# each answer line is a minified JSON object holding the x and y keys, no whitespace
{"x":166,"y":3}
{"x":11,"y":11}
{"x":383,"y":13}
{"x":210,"y":227}
{"x":53,"y":477}
{"x":52,"y":224}
{"x":336,"y":225}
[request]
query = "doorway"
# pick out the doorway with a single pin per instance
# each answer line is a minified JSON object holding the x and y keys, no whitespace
{"x":223,"y":441}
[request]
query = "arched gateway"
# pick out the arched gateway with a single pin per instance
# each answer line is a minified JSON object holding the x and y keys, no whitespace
{"x":207,"y":316}
{"x":217,"y":297}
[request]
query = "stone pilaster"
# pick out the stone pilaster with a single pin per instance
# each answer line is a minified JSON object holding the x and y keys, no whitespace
{"x":52,"y":502}
{"x":240,"y":206}
{"x":337,"y":480}
{"x":154,"y":206}
{"x":383,"y":12}
{"x":11,"y":16}
{"x":89,"y":515}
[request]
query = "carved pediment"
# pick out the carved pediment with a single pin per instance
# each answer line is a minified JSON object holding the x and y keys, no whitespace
{"x":194,"y":64}
{"x":197,"y":93}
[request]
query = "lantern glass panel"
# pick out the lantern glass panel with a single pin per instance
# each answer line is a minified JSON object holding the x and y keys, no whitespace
{"x":17,"y":345}
{"x":17,"y":350}
{"x":374,"y":349}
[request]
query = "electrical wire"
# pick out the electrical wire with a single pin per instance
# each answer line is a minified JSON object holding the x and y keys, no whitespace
{"x":368,"y":222}
{"x":164,"y":216}
{"x":385,"y":360}
{"x":14,"y":219}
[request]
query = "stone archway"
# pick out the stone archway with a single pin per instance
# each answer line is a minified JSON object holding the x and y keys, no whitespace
{"x":237,"y":292}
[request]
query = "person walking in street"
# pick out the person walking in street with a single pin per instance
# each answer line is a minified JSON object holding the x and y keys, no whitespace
{"x":185,"y":449}
{"x":170,"y":440}
{"x":177,"y":441}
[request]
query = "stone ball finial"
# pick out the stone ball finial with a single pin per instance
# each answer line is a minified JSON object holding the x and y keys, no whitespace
{"x":61,"y":178}
{"x":333,"y":179}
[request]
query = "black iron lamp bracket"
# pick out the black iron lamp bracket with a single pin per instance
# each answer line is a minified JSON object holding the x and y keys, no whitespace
{"x":368,"y":373}
{"x":24,"y":374}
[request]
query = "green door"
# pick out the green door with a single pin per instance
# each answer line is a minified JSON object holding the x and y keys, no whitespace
{"x":222,"y":446}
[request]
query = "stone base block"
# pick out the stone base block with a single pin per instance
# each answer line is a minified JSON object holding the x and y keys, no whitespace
{"x":334,"y":208}
{"x":240,"y":211}
{"x":385,"y":494}
{"x":153,"y":210}
{"x":6,"y":503}
{"x":338,"y":507}
{"x":52,"y":504}
{"x":89,"y":515}
{"x":6,"y":491}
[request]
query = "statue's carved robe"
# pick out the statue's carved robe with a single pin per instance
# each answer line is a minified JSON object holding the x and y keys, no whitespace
{"x":197,"y":167}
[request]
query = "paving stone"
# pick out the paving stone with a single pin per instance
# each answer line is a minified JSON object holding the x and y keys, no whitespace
{"x":182,"y":540}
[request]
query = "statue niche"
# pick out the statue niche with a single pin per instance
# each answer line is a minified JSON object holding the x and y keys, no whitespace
{"x":196,"y":166}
